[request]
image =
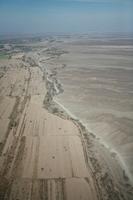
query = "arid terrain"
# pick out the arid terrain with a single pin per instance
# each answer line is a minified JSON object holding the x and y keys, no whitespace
{"x":66,"y":118}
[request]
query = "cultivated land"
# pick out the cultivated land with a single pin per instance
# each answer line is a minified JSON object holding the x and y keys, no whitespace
{"x":46,"y":153}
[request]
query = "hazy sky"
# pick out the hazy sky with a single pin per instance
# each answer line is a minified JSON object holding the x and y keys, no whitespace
{"x":78,"y":16}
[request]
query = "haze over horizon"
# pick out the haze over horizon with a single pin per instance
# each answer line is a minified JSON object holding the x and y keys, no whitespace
{"x":65,"y":16}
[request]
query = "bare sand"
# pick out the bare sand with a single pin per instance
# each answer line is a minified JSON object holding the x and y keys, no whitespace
{"x":44,"y":152}
{"x":38,"y":149}
{"x":97,"y":78}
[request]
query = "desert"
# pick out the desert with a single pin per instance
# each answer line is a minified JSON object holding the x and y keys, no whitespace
{"x":66,"y":118}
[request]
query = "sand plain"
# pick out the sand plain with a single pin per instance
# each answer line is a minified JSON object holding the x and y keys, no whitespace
{"x":44,"y":152}
{"x":97,"y":78}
